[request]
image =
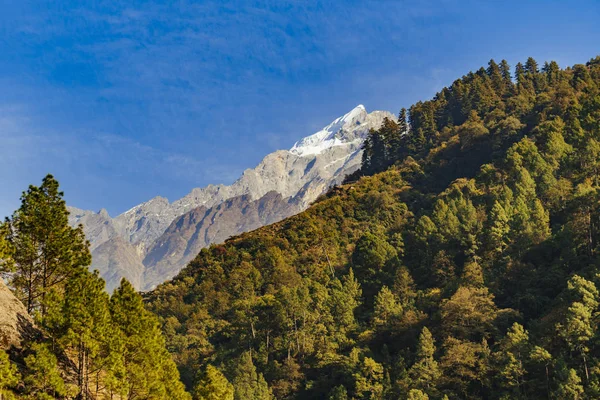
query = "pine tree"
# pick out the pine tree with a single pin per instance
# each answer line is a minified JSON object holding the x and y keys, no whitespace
{"x":248,"y":384}
{"x":416,"y":394}
{"x":367,"y":155}
{"x":520,"y":74}
{"x":87,"y":325}
{"x":531,"y":66}
{"x":505,"y":71}
{"x":513,"y":350}
{"x":540,"y":355}
{"x":369,"y":379}
{"x":343,"y":301}
{"x":43,"y":377}
{"x":387,"y":309}
{"x":339,"y":393}
{"x":149,"y":369}
{"x":404,"y":287}
{"x":9,"y":376}
{"x":578,"y":330}
{"x":398,"y":138}
{"x":493,"y":71}
{"x":380,"y":152}
{"x":570,"y":387}
{"x":403,"y":122}
{"x":552,"y":71}
{"x":499,"y":229}
{"x":212,"y":385}
{"x":425,"y":371}
{"x":46,"y":250}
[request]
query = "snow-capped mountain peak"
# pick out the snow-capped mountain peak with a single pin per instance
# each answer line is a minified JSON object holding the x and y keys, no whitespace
{"x":152,"y":241}
{"x":332,"y":135}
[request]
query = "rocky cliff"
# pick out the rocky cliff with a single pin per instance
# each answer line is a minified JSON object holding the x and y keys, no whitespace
{"x":151,"y":242}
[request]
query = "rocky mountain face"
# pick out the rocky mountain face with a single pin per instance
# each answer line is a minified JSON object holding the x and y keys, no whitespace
{"x":16,"y":326}
{"x":152,"y":242}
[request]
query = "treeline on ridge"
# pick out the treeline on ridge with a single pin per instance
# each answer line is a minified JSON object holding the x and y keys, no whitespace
{"x":461,"y":261}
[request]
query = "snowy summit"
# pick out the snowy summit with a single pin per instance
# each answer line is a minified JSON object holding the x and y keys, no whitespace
{"x":332,"y":135}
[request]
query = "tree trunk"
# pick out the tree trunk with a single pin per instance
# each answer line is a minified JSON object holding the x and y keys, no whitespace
{"x":547,"y":381}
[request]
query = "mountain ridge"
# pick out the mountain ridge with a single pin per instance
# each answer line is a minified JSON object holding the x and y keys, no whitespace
{"x":300,"y":174}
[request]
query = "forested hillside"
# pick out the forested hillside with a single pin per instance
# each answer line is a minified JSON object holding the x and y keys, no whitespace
{"x":460,"y":262}
{"x":85,"y":344}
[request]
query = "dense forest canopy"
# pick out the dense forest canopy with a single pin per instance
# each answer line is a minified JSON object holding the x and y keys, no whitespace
{"x":461,"y":261}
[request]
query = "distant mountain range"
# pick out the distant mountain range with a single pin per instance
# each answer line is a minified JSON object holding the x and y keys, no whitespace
{"x":153,"y":241}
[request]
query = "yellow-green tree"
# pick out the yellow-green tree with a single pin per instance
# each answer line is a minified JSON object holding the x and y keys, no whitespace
{"x":46,"y":251}
{"x":212,"y":385}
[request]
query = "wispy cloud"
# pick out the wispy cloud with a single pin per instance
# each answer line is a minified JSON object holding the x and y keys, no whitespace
{"x":126,"y":100}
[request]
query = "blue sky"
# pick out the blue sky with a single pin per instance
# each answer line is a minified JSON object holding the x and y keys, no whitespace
{"x":123,"y":101}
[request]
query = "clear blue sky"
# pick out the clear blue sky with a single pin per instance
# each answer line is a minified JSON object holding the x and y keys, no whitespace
{"x":123,"y":101}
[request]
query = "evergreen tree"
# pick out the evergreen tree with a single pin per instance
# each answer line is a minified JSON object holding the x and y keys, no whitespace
{"x":542,"y":356}
{"x":578,"y":330}
{"x":344,"y":300}
{"x":403,"y":122}
{"x":248,"y":384}
{"x":338,"y":393}
{"x":552,"y":71}
{"x":387,"y":310}
{"x":569,"y":387}
{"x":9,"y":376}
{"x":369,"y":379}
{"x":493,"y":71}
{"x":43,"y":379}
{"x":212,"y":385}
{"x":398,"y":138}
{"x":416,"y":394}
{"x":404,"y":286}
{"x":520,"y":74}
{"x":425,"y":371}
{"x":505,"y":72}
{"x":46,"y":250}
{"x":499,"y":229}
{"x":531,"y":66}
{"x":513,"y":350}
{"x":367,"y":155}
{"x":149,"y":369}
{"x":87,"y":326}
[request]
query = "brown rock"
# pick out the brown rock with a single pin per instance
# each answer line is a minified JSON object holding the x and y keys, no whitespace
{"x":16,"y":326}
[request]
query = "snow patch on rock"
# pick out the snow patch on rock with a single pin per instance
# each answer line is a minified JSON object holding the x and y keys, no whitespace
{"x":332,"y":135}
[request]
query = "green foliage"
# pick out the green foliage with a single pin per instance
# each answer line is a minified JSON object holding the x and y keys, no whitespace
{"x":425,"y":372}
{"x":43,"y":379}
{"x":9,"y":376}
{"x":149,"y":370}
{"x":416,"y":394}
{"x":247,"y":383}
{"x":45,"y":250}
{"x":212,"y":385}
{"x":475,"y":215}
{"x":387,"y":309}
{"x":109,"y":347}
{"x":339,"y":393}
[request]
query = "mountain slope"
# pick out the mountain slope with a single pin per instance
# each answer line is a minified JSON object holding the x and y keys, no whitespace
{"x":140,"y":236}
{"x":16,"y":326}
{"x":463,"y":264}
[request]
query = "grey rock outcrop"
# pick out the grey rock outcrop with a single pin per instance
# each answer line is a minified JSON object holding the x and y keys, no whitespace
{"x":151,"y":242}
{"x":16,"y":326}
